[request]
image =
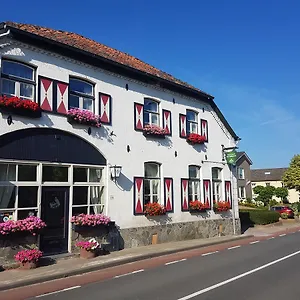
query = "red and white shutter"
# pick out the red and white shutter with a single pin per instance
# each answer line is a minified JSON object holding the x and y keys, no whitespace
{"x":204,"y":129}
{"x":105,"y":108}
{"x":46,"y":93}
{"x":169,"y":200}
{"x":184,"y":194}
{"x":138,"y":196}
{"x":62,"y":97}
{"x":228,"y":192}
{"x":138,"y":116}
{"x":182,"y":125}
{"x":207,"y":192}
{"x":167,"y":122}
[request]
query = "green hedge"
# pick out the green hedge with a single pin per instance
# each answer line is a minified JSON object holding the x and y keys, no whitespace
{"x":258,"y":217}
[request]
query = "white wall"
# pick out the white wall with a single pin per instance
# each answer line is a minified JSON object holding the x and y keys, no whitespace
{"x":120,"y":198}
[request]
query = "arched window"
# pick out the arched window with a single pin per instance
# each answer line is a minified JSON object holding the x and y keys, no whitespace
{"x":194,"y":183}
{"x":217,"y":183}
{"x":152,"y":183}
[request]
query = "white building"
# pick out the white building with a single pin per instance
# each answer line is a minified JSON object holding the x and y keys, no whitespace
{"x":55,"y":169}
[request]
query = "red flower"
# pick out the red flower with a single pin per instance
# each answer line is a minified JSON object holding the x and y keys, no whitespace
{"x":19,"y":104}
{"x":222,"y":206}
{"x":154,"y":209}
{"x":198,"y":205}
{"x":196,"y":138}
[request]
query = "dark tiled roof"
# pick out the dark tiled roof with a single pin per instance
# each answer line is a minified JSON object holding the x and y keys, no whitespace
{"x":98,"y":49}
{"x":267,"y":174}
{"x":241,"y":154}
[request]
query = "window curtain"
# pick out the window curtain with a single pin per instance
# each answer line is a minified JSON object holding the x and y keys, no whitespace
{"x":7,"y":172}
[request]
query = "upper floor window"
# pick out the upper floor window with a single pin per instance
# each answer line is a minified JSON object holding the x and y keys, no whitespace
{"x":194,"y":183}
{"x":216,"y":183}
{"x":151,"y":183}
{"x":151,"y":112}
{"x":17,"y":80}
{"x":191,"y":122}
{"x":241,"y":173}
{"x":81,"y":95}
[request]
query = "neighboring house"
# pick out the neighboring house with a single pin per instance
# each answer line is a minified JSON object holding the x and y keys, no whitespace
{"x":55,"y":168}
{"x":243,"y":164}
{"x":272,"y":177}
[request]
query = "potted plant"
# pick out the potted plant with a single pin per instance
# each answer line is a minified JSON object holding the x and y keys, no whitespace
{"x":154,"y":130}
{"x":154,"y":209}
{"x":195,"y":138}
{"x":88,"y":248}
{"x":198,"y":206}
{"x":28,"y":259}
{"x":18,"y":106}
{"x":82,"y":221}
{"x":85,"y":117}
{"x":221,"y":206}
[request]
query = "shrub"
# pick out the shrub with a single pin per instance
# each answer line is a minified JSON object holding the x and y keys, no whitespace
{"x":284,"y":215}
{"x":259,"y":217}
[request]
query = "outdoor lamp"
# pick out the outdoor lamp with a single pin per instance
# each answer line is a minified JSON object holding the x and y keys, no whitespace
{"x":115,"y":172}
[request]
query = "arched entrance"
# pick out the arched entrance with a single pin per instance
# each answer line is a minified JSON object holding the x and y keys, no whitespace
{"x":52,"y":174}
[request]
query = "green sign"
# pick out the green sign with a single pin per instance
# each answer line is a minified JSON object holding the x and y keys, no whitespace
{"x":231,"y":157}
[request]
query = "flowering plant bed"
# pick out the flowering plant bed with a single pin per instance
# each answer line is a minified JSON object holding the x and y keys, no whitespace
{"x":90,"y":220}
{"x":30,"y":225}
{"x":195,"y":138}
{"x":154,"y":209}
{"x":20,"y":107}
{"x":88,"y":248}
{"x":198,"y":206}
{"x":154,"y":130}
{"x":28,"y":259}
{"x":85,"y":117}
{"x":221,"y":206}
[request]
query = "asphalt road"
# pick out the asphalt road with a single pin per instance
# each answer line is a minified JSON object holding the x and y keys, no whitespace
{"x":261,"y":270}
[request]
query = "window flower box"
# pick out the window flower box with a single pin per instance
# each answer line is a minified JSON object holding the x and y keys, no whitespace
{"x":221,"y":206}
{"x":154,"y":209}
{"x":195,"y":138}
{"x":32,"y":225}
{"x":86,"y":222}
{"x":198,"y":206}
{"x":28,"y":259}
{"x":17,"y":106}
{"x":154,"y":131}
{"x":84,"y":117}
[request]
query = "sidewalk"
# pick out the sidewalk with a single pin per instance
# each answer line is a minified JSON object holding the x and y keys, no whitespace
{"x":74,"y":266}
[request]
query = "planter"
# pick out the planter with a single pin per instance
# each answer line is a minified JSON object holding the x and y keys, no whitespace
{"x":87,"y":254}
{"x":28,"y":265}
{"x":21,"y":112}
{"x":199,"y":210}
{"x":153,"y":135}
{"x":220,"y":211}
{"x":75,"y":122}
{"x":80,"y":228}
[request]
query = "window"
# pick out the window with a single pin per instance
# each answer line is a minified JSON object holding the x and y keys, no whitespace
{"x":268,"y":184}
{"x":151,"y":112}
{"x":88,"y":190}
{"x":194,"y":183}
{"x":17,"y":80}
{"x":217,"y":183}
{"x":242,"y":194}
{"x":81,"y":95}
{"x":241,"y":173}
{"x":151,"y":183}
{"x":191,"y":122}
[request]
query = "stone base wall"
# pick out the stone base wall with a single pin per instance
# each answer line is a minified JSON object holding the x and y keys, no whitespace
{"x":142,"y":236}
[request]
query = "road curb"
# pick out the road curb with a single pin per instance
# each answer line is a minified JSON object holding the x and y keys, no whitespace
{"x":110,"y":264}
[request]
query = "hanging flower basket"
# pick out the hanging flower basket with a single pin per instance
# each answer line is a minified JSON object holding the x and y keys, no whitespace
{"x":155,"y":131}
{"x":88,"y":248}
{"x":17,"y":106}
{"x":195,"y":138}
{"x":28,"y":259}
{"x":220,"y":206}
{"x":84,"y":117}
{"x":154,"y":209}
{"x":198,"y":206}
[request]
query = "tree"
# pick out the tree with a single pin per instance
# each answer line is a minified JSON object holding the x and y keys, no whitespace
{"x":282,"y":193}
{"x":291,"y":177}
{"x":265,"y":193}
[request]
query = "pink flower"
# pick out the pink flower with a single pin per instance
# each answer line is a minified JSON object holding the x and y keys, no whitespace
{"x":90,"y":220}
{"x":154,"y":129}
{"x":30,"y":224}
{"x":84,"y":117}
{"x":32,"y":255}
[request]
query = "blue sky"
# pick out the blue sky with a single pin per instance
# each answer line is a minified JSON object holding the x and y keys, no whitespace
{"x":245,"y":53}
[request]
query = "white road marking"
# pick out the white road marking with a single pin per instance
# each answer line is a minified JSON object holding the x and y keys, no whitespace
{"x":212,"y":287}
{"x":282,"y":234}
{"x":174,"y":262}
{"x":272,"y":237}
{"x":234,"y":247}
{"x":56,"y":292}
{"x":209,"y":253}
{"x":126,"y":274}
{"x":255,"y":242}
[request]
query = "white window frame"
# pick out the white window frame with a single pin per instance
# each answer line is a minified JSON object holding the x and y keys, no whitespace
{"x":18,"y":80}
{"x":217,"y":185}
{"x":152,"y":181}
{"x":83,"y":96}
{"x":194,"y":193}
{"x":189,"y":123}
{"x":242,"y":188}
{"x":151,"y":112}
{"x":241,"y":173}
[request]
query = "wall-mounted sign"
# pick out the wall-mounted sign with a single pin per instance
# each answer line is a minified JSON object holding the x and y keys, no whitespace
{"x":231,"y":157}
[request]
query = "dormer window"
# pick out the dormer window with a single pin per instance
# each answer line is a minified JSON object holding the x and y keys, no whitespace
{"x":151,"y":112}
